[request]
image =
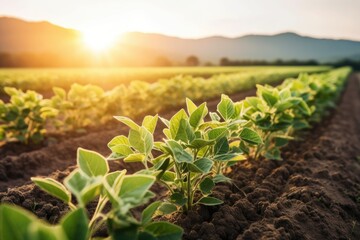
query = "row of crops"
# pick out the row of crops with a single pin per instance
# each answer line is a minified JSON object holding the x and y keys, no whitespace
{"x":42,"y":80}
{"x":192,"y":158}
{"x":26,"y":116}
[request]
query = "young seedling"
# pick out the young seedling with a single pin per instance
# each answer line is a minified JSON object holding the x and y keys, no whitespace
{"x":92,"y":181}
{"x":24,"y":118}
{"x":192,"y":157}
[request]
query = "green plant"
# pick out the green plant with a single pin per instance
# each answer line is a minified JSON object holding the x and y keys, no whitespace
{"x":274,"y":113}
{"x":81,"y":106}
{"x":278,"y":112}
{"x":25,"y":116}
{"x":194,"y":154}
{"x":92,"y":181}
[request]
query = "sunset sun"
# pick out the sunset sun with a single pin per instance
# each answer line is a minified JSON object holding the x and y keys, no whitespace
{"x":100,"y":40}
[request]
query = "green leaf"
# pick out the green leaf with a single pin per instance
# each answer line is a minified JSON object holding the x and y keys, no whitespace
{"x":203,"y":165}
{"x":91,"y":163}
{"x":167,"y":208}
{"x":214,"y":116}
{"x":269,"y":98}
{"x":217,"y":133}
{"x":134,"y":187}
{"x":111,"y":177}
{"x":200,"y":143}
{"x":39,"y":231}
{"x":206,"y":186}
{"x":168,"y":176}
{"x":191,"y":107}
{"x":135,"y":157}
{"x":75,"y":225}
{"x":221,"y":178}
{"x":150,"y":122}
{"x":149,"y":212}
{"x":127,"y":232}
{"x":304,"y":108}
{"x":127,"y":121}
{"x":280,"y":142}
{"x":84,"y":188}
{"x":254,"y":102}
{"x":60,"y":92}
{"x":198,"y":115}
{"x":76,"y":182}
{"x":90,"y":192}
{"x":228,"y":157}
{"x":178,"y":198}
{"x":179,"y":154}
{"x":177,"y":127}
{"x":165,"y":121}
{"x":226,"y":107}
{"x":210,"y":201}
{"x":53,"y":188}
{"x":221,"y":146}
{"x":118,"y":140}
{"x":14,"y":223}
{"x":141,"y":140}
{"x":164,"y":231}
{"x":250,"y":136}
{"x":120,"y":151}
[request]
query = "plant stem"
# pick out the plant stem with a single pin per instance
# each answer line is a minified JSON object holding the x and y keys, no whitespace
{"x":189,"y":195}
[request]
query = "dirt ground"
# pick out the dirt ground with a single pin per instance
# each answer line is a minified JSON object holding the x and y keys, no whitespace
{"x":314,"y":193}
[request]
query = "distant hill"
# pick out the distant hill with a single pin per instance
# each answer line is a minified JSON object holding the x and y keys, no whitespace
{"x":286,"y":46}
{"x":18,"y":36}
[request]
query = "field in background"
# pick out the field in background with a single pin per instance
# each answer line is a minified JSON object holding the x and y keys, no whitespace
{"x":44,"y":79}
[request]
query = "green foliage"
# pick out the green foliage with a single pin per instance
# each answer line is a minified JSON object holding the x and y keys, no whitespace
{"x":193,"y":155}
{"x":87,"y":105}
{"x":81,"y":106}
{"x":190,"y":161}
{"x":92,"y":181}
{"x":278,"y":112}
{"x":24,"y":117}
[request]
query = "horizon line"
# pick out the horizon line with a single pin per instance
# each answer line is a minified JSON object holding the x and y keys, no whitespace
{"x":193,"y":38}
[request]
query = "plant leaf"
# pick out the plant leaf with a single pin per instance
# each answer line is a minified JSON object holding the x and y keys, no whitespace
{"x":226,"y":107}
{"x":127,"y":121}
{"x":210,"y":201}
{"x":179,"y":154}
{"x":53,"y":188}
{"x":149,"y":212}
{"x":206,"y":186}
{"x":198,"y":115}
{"x":150,"y":122}
{"x":75,"y":225}
{"x":164,"y":231}
{"x":91,"y":163}
{"x":250,"y":136}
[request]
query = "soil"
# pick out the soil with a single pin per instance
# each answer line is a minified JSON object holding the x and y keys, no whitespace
{"x":314,"y":193}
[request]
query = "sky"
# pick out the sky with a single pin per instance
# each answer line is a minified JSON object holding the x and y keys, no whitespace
{"x":338,"y":19}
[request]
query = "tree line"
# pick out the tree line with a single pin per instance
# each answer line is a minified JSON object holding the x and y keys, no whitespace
{"x":52,"y":60}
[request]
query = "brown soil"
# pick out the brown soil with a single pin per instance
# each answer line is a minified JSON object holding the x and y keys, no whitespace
{"x":313,"y":194}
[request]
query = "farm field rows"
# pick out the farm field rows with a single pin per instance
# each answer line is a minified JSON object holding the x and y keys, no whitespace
{"x":26,"y":115}
{"x":267,"y":198}
{"x":42,"y":80}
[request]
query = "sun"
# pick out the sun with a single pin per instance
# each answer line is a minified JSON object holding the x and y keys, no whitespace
{"x":99,"y":40}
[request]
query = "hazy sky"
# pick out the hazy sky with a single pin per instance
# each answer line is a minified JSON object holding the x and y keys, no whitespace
{"x":196,"y":18}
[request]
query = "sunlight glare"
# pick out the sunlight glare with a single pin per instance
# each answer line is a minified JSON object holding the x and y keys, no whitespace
{"x":99,"y":40}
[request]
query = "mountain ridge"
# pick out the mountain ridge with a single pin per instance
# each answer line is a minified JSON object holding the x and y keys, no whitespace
{"x":17,"y":35}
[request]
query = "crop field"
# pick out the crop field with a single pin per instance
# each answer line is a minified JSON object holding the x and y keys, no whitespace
{"x":180,"y":153}
{"x":44,"y":79}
